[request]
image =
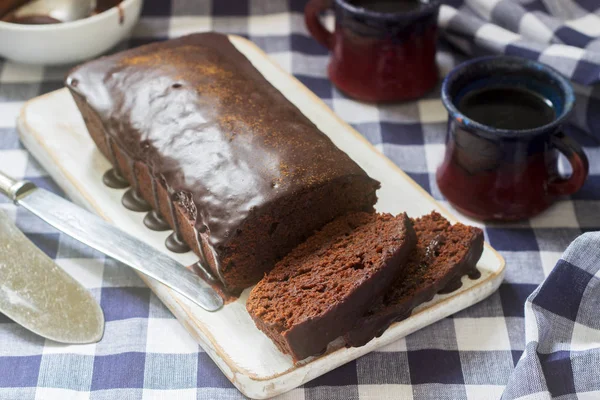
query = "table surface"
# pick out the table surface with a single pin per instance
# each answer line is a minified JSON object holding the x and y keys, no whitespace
{"x":146,"y":354}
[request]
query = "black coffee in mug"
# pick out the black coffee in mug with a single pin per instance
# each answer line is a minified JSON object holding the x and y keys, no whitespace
{"x":388,"y":6}
{"x":507,"y":108}
{"x":505,"y":132}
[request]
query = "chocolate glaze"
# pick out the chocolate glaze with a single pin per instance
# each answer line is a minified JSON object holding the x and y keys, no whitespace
{"x":103,"y":5}
{"x":175,"y":244}
{"x":134,"y":202}
{"x":210,"y":126}
{"x":114,"y":180}
{"x":215,"y":283}
{"x":199,"y":269}
{"x":10,"y":5}
{"x":155,"y":222}
{"x":474,"y":274}
{"x":6,"y":6}
{"x":454,"y":284}
{"x":32,"y":20}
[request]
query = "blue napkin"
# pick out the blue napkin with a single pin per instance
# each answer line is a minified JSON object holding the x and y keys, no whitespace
{"x":564,"y":34}
{"x":562,"y":330}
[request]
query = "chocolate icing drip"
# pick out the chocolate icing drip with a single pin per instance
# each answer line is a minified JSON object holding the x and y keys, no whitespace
{"x":204,"y":273}
{"x":474,"y":274}
{"x":134,"y":202}
{"x":454,"y":284}
{"x":154,"y":221}
{"x":175,"y":244}
{"x":216,"y":284}
{"x":114,"y":180}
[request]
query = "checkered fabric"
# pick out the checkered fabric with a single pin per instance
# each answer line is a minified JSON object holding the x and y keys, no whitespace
{"x":146,"y":354}
{"x":562,"y":33}
{"x":562,"y":328}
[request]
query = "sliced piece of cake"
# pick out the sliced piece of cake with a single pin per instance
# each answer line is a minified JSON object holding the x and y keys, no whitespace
{"x":318,"y":291}
{"x":443,"y":254}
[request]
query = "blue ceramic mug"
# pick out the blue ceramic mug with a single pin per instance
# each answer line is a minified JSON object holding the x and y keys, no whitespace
{"x":382,"y":51}
{"x":505,"y":131}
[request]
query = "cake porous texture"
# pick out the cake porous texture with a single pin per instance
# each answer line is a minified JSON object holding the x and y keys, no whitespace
{"x":316,"y":293}
{"x":443,"y":254}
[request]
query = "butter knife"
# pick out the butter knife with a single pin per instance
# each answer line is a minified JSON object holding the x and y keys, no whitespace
{"x":37,"y":294}
{"x":110,"y":240}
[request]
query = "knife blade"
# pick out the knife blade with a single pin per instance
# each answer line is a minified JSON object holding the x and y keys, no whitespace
{"x":93,"y":231}
{"x":37,"y":294}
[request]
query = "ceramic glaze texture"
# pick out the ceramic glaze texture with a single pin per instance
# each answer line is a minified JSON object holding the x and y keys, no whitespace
{"x":501,"y":174}
{"x":379,"y":56}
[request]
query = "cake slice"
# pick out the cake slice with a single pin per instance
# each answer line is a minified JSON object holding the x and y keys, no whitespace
{"x":316,"y":293}
{"x":443,"y":254}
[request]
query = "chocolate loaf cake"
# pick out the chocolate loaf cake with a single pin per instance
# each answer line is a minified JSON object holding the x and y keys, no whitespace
{"x":235,"y":169}
{"x":443,"y":254}
{"x":317,"y":292}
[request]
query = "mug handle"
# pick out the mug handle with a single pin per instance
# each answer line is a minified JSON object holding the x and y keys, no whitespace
{"x":311,"y":17}
{"x":579,"y":163}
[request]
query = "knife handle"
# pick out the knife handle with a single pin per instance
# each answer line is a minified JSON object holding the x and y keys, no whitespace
{"x":14,"y":189}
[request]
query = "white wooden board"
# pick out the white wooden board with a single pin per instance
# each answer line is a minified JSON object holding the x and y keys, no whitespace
{"x":52,"y":129}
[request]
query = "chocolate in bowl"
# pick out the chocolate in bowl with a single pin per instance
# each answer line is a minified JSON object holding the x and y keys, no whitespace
{"x":7,"y":6}
{"x":69,"y":42}
{"x":103,"y":5}
{"x":7,"y":13}
{"x":31,"y":19}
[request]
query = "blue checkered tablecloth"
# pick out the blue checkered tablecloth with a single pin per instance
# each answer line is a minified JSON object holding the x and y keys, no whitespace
{"x":146,"y":353}
{"x":562,"y":330}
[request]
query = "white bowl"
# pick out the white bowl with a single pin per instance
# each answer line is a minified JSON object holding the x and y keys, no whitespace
{"x":68,"y":42}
